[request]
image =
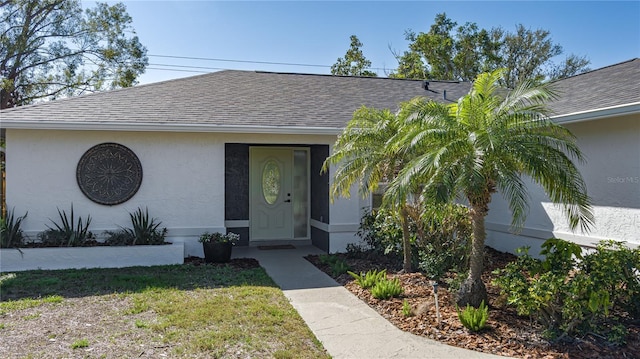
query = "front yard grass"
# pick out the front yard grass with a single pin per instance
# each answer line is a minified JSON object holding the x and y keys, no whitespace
{"x":182,"y":311}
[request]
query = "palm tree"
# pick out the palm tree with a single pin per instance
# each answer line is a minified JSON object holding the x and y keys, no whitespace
{"x":361,"y":156}
{"x":482,"y":144}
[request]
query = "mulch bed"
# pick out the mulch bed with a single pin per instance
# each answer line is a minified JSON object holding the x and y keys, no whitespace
{"x":507,"y":333}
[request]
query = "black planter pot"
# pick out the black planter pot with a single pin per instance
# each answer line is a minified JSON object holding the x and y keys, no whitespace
{"x":217,"y":252}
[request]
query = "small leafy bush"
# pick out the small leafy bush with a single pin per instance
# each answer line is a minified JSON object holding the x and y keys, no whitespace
{"x":11,"y":235}
{"x":387,"y":288}
{"x":369,"y":279}
{"x":474,"y":319}
{"x":407,"y":311}
{"x":338,"y":265}
{"x":143,"y":231}
{"x":440,"y":236}
{"x":616,"y":269}
{"x":382,"y":232}
{"x":444,"y":239}
{"x":69,"y":232}
{"x":570,"y":293}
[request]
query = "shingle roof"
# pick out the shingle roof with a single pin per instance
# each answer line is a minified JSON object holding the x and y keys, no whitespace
{"x":609,"y":86}
{"x":238,"y":98}
{"x":276,"y":100}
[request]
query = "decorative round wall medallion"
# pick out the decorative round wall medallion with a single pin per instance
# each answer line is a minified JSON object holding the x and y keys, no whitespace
{"x":109,"y":173}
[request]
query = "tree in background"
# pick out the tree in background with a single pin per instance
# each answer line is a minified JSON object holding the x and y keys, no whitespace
{"x":51,"y":49}
{"x":354,"y":63}
{"x":460,"y":53}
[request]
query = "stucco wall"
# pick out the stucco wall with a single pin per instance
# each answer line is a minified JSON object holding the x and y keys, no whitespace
{"x":183,"y":180}
{"x":612,"y":173}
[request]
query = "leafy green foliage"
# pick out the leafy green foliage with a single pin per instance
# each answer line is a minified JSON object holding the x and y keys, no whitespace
{"x":338,"y":265}
{"x":474,"y":319}
{"x":369,"y":279}
{"x":53,"y":48}
{"x":381,"y":231}
{"x":440,"y":236}
{"x":354,"y":63}
{"x":143,"y":231}
{"x":387,"y":288}
{"x":443,"y":239}
{"x":616,"y":269}
{"x":451,"y":52}
{"x":569,"y":292}
{"x":11,"y":235}
{"x":407,"y":311}
{"x":218,"y":237}
{"x":69,"y":232}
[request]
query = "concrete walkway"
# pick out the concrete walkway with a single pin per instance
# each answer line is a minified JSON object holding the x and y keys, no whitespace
{"x":346,"y":326}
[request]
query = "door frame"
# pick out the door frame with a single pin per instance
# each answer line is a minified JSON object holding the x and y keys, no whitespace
{"x":307,"y":150}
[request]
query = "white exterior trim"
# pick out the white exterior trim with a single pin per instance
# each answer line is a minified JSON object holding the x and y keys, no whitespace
{"x":597,"y":114}
{"x":335,"y":228}
{"x":237,"y":223}
{"x":167,"y":127}
{"x":90,"y":257}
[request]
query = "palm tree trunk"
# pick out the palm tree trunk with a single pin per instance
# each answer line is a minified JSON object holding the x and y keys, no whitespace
{"x":406,"y":240}
{"x":473,"y":290}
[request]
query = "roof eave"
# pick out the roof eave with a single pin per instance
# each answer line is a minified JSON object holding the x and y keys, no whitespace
{"x":597,"y":114}
{"x":171,"y":127}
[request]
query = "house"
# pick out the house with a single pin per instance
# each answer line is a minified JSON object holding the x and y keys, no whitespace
{"x":242,"y":151}
{"x":233,"y":151}
{"x":602,"y":109}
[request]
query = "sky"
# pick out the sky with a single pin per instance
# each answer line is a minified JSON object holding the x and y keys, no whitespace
{"x":317,"y":32}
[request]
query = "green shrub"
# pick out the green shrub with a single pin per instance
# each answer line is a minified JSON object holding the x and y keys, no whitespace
{"x":387,"y":288}
{"x":382,"y":232}
{"x":11,"y":235}
{"x":569,"y":293}
{"x":474,"y":319}
{"x":407,"y":311}
{"x":143,"y":231}
{"x":616,"y":268}
{"x":337,"y":265}
{"x":444,"y":240}
{"x":440,"y":236}
{"x":69,"y":232}
{"x":369,"y":279}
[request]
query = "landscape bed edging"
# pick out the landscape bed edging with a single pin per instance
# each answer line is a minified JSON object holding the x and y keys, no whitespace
{"x":11,"y":260}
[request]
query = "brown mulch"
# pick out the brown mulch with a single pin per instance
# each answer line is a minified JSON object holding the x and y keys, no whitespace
{"x":507,"y":334}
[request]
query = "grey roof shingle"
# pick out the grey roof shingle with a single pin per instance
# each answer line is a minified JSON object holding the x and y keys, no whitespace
{"x":266,"y":99}
{"x":238,"y":98}
{"x":609,"y":86}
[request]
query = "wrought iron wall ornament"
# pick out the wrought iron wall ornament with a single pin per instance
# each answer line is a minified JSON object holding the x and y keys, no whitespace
{"x":109,"y":173}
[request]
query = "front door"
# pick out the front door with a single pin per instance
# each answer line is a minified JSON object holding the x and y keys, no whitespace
{"x":278,"y":193}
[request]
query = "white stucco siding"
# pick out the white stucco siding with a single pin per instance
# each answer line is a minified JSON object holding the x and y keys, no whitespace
{"x":345,"y":215}
{"x":611,"y":147}
{"x":182,"y":185}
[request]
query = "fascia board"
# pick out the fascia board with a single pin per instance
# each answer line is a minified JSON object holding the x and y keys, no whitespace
{"x":153,"y":127}
{"x":601,"y":113}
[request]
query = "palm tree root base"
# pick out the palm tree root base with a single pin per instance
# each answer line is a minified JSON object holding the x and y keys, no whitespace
{"x":472,"y":292}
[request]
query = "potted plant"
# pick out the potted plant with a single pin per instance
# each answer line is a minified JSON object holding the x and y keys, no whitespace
{"x":217,"y":246}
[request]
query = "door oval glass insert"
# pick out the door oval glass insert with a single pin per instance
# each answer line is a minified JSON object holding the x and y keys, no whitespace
{"x":271,"y":181}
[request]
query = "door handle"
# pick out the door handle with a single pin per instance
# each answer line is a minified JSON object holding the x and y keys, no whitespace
{"x":287,"y":201}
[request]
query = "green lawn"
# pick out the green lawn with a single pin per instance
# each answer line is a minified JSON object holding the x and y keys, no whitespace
{"x":182,"y":311}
